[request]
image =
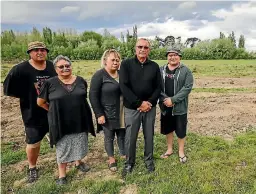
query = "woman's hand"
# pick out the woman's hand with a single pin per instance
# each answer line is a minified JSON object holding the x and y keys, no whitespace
{"x":101,"y":120}
{"x":168,"y":102}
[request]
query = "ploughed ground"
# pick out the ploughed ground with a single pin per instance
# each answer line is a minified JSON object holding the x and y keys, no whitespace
{"x":211,"y":114}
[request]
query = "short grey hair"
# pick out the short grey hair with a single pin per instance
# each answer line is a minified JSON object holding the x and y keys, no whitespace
{"x":61,"y":57}
{"x":143,"y":39}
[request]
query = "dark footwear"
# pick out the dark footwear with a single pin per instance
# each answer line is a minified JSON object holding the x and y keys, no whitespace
{"x":166,"y":155}
{"x":127,"y":169}
{"x":32,"y":175}
{"x":151,"y":168}
{"x":183,"y":159}
{"x":83,"y":167}
{"x":62,"y":181}
{"x":112,"y":167}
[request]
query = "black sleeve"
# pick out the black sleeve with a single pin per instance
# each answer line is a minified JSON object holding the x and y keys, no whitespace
{"x":156,"y":93}
{"x":95,"y":94}
{"x":13,"y":83}
{"x":124,"y":86}
{"x":85,"y":84}
{"x":44,"y":91}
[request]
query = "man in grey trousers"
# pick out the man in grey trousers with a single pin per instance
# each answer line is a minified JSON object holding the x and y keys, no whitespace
{"x":140,"y":83}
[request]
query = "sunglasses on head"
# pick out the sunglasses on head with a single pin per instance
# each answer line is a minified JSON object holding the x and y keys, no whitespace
{"x":67,"y":66}
{"x":145,"y":47}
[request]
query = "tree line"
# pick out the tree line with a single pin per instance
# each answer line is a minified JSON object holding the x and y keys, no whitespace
{"x":90,"y":45}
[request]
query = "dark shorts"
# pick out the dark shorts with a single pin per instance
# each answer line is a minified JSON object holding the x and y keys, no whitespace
{"x":177,"y":123}
{"x":35,"y":134}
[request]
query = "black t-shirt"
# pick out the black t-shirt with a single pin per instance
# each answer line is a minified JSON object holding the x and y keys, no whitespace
{"x":169,"y":82}
{"x":69,"y":111}
{"x":24,"y":82}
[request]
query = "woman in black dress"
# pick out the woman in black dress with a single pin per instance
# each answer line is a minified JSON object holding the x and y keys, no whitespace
{"x":107,"y":103}
{"x":69,"y":116}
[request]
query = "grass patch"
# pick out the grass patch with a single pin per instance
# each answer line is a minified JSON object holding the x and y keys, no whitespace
{"x":12,"y":153}
{"x":220,"y":68}
{"x":214,"y":166}
{"x":225,"y":90}
{"x":200,"y":68}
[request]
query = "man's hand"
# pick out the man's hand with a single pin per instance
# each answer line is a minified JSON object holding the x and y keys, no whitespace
{"x":101,"y":120}
{"x":168,"y":102}
{"x":145,"y":106}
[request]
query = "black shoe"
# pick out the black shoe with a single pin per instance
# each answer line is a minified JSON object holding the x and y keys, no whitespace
{"x":151,"y":168}
{"x":62,"y":181}
{"x":127,"y":169}
{"x":83,"y":167}
{"x":32,"y":175}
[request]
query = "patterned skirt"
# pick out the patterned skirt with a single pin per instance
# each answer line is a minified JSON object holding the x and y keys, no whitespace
{"x":72,"y":147}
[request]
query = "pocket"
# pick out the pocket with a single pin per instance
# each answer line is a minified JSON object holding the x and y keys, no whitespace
{"x":110,"y":111}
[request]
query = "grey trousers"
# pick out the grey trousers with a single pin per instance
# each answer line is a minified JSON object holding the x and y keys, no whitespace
{"x":109,"y":136}
{"x":133,"y":120}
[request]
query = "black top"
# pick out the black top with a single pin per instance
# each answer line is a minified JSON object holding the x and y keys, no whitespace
{"x":24,"y":81}
{"x":139,"y":82}
{"x":105,"y":98}
{"x":169,"y":82}
{"x":69,"y":111}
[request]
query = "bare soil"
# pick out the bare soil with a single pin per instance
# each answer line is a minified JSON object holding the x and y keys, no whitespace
{"x":214,"y":82}
{"x":211,"y":114}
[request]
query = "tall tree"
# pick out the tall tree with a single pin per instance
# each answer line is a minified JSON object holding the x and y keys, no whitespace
{"x":135,"y":33}
{"x":222,"y":35}
{"x":47,"y":34}
{"x":7,"y":37}
{"x":35,"y":35}
{"x":232,"y":38}
{"x":241,"y":42}
{"x":122,"y":37}
{"x":88,"y":35}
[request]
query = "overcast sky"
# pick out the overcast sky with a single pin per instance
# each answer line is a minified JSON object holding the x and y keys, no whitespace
{"x":202,"y":19}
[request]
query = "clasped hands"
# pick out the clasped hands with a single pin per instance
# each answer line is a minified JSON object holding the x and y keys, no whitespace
{"x":145,"y":106}
{"x":168,"y":102}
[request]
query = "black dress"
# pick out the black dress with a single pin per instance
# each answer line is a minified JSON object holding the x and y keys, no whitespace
{"x":69,"y":111}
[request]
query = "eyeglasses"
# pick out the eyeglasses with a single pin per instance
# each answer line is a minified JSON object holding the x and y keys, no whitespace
{"x":145,"y":47}
{"x":67,"y":66}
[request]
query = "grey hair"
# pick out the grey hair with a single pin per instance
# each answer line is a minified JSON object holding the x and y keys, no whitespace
{"x":106,"y":54}
{"x":61,"y":57}
{"x":143,"y":39}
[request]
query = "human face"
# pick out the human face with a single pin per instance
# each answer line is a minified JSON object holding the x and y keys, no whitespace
{"x":142,"y":49}
{"x":173,"y":59}
{"x":112,"y":62}
{"x":63,"y":68}
{"x":38,"y":54}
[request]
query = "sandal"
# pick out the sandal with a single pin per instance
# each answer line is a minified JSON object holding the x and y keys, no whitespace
{"x":183,"y":159}
{"x":112,"y":167}
{"x":165,"y":156}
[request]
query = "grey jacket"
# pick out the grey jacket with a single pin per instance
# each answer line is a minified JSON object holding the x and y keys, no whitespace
{"x":183,"y":83}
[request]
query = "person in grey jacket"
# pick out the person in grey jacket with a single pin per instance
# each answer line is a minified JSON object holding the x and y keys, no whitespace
{"x":107,"y":103}
{"x":177,"y":83}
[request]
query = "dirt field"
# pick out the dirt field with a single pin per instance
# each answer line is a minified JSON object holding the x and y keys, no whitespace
{"x":222,"y":114}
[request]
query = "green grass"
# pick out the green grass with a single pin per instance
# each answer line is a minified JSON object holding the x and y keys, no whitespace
{"x":225,"y":90}
{"x":200,"y":68}
{"x":214,"y":166}
{"x":11,"y":153}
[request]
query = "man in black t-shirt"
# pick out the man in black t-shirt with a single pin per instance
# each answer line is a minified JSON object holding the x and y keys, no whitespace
{"x":24,"y":81}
